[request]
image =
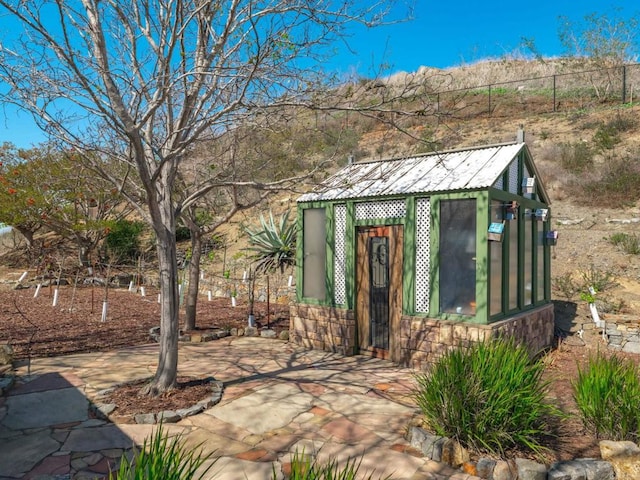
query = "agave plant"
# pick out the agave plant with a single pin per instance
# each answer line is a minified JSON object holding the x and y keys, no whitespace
{"x":273,"y":243}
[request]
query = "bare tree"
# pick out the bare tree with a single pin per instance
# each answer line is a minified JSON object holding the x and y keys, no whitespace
{"x":141,"y":82}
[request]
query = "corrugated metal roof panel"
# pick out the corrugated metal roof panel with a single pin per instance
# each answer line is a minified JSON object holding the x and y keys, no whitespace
{"x":446,"y":171}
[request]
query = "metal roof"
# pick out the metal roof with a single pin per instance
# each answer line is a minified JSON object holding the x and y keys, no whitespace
{"x":468,"y":169}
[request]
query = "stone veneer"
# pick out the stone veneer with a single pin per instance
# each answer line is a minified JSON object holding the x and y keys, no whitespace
{"x":422,"y":340}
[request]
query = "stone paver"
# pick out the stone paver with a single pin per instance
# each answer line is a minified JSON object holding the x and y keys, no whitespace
{"x":278,"y":399}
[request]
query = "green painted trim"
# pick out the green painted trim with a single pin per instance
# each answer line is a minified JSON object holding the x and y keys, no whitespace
{"x":299,"y":254}
{"x":329,"y":268}
{"x":409,"y":259}
{"x":547,"y":262}
{"x":328,"y":208}
{"x":483,"y":214}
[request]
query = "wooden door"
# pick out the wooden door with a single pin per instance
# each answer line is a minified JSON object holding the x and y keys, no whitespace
{"x":379,"y":290}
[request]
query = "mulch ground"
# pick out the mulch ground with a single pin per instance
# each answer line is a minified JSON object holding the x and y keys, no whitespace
{"x":36,"y":328}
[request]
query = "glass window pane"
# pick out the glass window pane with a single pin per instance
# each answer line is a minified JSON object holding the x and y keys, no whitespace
{"x":495,"y":253}
{"x":540,"y":267}
{"x":458,"y":256}
{"x":513,"y":264}
{"x":528,"y":261}
{"x":314,"y":232}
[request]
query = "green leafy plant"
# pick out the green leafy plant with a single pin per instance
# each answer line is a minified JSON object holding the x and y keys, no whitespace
{"x":589,"y":296}
{"x":490,"y":397}
{"x":166,"y":458}
{"x":123,"y":239}
{"x":273,"y":243}
{"x":307,"y":467}
{"x":606,"y":392}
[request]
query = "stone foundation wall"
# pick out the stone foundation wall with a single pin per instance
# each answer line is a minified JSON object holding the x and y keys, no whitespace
{"x":422,"y":340}
{"x":623,"y":332}
{"x":323,"y":328}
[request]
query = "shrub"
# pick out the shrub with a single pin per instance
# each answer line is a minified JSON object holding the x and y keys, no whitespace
{"x":306,"y":467}
{"x":123,"y":239}
{"x":606,"y":137}
{"x":490,"y":397}
{"x":606,"y":392}
{"x":163,"y":458}
{"x":182,"y":233}
{"x":629,"y":243}
{"x":600,"y":280}
{"x":566,"y":286}
{"x":621,"y":180}
{"x":576,"y":157}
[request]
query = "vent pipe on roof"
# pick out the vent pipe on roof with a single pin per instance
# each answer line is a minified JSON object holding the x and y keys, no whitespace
{"x":520,"y":135}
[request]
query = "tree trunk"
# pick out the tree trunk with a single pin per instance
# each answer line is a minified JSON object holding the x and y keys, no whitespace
{"x":194,"y":280}
{"x":27,"y":234}
{"x":164,"y":226}
{"x":83,"y":255}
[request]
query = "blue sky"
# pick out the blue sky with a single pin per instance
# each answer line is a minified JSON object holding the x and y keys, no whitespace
{"x":443,"y":34}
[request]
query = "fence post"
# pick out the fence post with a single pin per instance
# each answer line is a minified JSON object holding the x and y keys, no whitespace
{"x":489,"y":100}
{"x":554,"y":94}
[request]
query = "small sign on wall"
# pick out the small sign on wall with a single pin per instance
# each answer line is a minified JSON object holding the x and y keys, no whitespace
{"x":542,"y":214}
{"x":528,"y":185}
{"x":496,"y":230}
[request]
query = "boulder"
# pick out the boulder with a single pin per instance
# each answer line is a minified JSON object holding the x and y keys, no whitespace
{"x":624,"y":458}
{"x":454,"y":454}
{"x":530,"y":470}
{"x":6,"y":354}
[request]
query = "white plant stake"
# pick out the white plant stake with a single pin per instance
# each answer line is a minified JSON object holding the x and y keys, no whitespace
{"x":131,"y":286}
{"x":290,"y":284}
{"x":104,"y":311}
{"x":158,"y":298}
{"x":37,"y":292}
{"x":142,"y":292}
{"x":209,"y":295}
{"x":22,"y":277}
{"x":233,"y":301}
{"x":55,"y":297}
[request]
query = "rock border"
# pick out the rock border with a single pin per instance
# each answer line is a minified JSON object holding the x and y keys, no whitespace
{"x":154,"y":334}
{"x":108,"y":411}
{"x":621,"y":461}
